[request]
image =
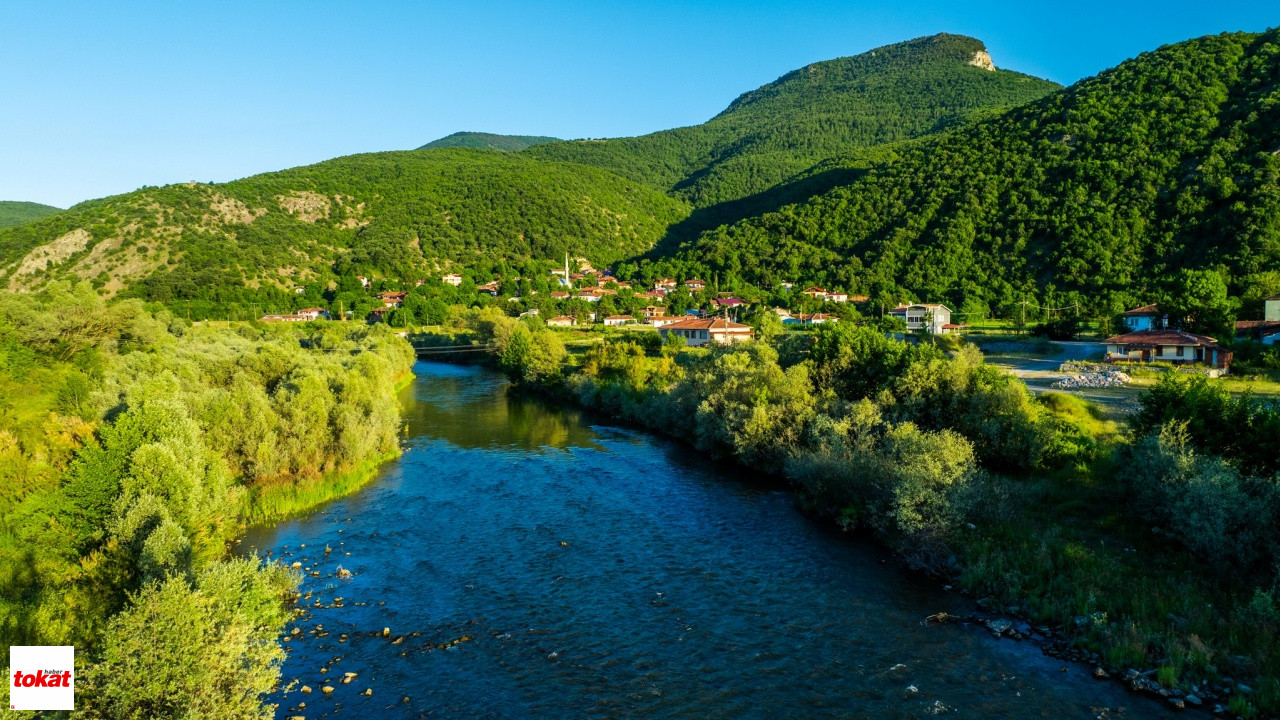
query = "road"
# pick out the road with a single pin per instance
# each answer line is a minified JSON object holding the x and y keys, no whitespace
{"x":1040,"y":372}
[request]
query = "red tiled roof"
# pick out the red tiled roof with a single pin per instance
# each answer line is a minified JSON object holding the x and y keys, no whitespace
{"x":1162,"y":337}
{"x":708,"y":324}
{"x":1256,"y":324}
{"x":1142,"y":311}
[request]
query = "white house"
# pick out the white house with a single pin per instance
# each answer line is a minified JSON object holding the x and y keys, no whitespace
{"x":933,"y":318}
{"x":453,"y":279}
{"x":1147,"y":317}
{"x":1165,"y":345}
{"x":562,"y":321}
{"x":1272,"y":305}
{"x":615,"y":320}
{"x":701,"y":331}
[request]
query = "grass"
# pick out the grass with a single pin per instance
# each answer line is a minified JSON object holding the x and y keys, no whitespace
{"x":279,"y":500}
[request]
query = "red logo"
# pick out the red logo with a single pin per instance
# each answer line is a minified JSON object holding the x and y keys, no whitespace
{"x":54,"y":679}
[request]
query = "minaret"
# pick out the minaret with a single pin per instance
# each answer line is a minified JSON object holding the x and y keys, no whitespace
{"x":567,"y":283}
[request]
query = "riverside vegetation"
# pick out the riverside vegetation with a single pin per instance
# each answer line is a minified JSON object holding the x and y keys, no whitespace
{"x":134,"y":447}
{"x":1152,"y":545}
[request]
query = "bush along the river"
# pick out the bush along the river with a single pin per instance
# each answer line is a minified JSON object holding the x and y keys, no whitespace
{"x":1149,"y":549}
{"x":133,"y":449}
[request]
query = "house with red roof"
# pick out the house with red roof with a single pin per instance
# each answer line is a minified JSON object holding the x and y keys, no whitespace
{"x":1167,"y":345}
{"x":703,"y":331}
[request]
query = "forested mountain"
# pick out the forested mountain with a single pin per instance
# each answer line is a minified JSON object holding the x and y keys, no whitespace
{"x":489,"y":141}
{"x":1158,"y":178}
{"x":397,"y":214}
{"x":822,"y":110}
{"x":13,"y":212}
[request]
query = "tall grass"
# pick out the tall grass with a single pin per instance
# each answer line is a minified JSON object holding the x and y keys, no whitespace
{"x":278,"y":500}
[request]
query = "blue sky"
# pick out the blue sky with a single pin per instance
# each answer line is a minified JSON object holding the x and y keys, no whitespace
{"x":101,"y":98}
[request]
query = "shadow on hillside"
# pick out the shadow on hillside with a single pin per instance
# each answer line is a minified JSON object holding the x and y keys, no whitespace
{"x":731,"y":211}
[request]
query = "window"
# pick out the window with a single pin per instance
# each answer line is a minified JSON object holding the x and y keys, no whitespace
{"x":1179,"y":352}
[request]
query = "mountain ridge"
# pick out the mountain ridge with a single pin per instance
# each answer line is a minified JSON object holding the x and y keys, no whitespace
{"x":488,"y":141}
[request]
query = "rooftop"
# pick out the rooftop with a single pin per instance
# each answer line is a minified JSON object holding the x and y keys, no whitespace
{"x":1162,"y":337}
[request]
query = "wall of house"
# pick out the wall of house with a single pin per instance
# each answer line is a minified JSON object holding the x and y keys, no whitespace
{"x":1140,"y":322}
{"x":1272,"y":311}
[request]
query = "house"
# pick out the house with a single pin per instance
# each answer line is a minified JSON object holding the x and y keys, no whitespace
{"x":453,"y":279}
{"x":616,"y":320}
{"x":561,"y":321}
{"x":299,"y":290}
{"x":590,"y":296}
{"x":312,"y":313}
{"x":1167,"y":345}
{"x":559,"y":295}
{"x":728,"y":302}
{"x":652,"y":295}
{"x":695,"y":285}
{"x":364,"y":281}
{"x":489,"y":288}
{"x":811,"y":319}
{"x":1147,"y":317}
{"x":1256,"y":329}
{"x":529,"y":312}
{"x":665,"y":284}
{"x":1264,"y":328}
{"x":815,"y":292}
{"x":660,"y":320}
{"x":837,"y":297}
{"x":392,"y":299}
{"x":702,"y":331}
{"x":653,"y":311}
{"x":786,"y":286}
{"x":378,"y":314}
{"x":930,"y":317}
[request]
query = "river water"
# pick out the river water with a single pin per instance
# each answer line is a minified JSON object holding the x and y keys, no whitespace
{"x":530,"y":562}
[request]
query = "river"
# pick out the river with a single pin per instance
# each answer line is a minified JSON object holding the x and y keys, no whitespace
{"x":531,"y":562}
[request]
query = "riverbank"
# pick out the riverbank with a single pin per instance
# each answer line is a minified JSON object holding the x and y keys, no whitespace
{"x":1053,"y":546}
{"x":594,"y":569}
{"x":280,"y":499}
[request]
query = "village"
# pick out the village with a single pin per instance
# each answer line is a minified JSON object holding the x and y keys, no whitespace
{"x":697,"y":313}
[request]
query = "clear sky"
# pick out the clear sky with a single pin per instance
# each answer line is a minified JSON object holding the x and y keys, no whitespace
{"x":101,"y":98}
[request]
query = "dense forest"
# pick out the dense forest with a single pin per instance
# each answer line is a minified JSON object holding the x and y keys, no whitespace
{"x":13,"y":212}
{"x":405,"y":214}
{"x":1154,"y":180}
{"x":811,"y":114}
{"x":134,"y":448}
{"x":489,"y":141}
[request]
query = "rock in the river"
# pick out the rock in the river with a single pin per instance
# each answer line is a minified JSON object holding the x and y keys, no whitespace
{"x":296,"y":565}
{"x":367,"y":692}
{"x":386,"y":632}
{"x":326,"y":689}
{"x":306,"y":689}
{"x":1177,"y":703}
{"x":999,"y":626}
{"x":1100,"y":673}
{"x":1193,"y":699}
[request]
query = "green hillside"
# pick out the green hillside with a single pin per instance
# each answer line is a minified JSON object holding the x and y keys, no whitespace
{"x":398,"y":214}
{"x":770,"y":134}
{"x":1102,"y":194}
{"x":488,"y":141}
{"x":13,"y":212}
